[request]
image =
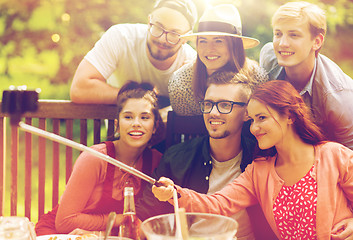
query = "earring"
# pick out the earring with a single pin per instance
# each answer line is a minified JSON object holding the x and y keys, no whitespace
{"x":117,"y":135}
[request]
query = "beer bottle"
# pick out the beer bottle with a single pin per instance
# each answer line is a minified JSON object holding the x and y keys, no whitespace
{"x":130,"y":226}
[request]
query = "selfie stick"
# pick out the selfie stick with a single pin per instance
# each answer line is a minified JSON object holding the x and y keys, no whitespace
{"x":18,"y":101}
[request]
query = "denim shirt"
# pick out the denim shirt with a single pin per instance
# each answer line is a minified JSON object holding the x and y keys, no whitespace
{"x":331,"y":95}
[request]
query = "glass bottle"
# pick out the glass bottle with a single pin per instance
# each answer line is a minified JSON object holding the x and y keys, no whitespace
{"x":130,"y":225}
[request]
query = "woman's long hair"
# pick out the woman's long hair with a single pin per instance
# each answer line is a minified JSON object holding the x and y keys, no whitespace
{"x":237,"y":62}
{"x":282,"y":97}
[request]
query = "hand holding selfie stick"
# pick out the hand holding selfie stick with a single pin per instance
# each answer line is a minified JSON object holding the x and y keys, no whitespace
{"x":15,"y":102}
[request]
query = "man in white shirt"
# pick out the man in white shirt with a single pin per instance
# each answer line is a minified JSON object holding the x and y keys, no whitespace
{"x":140,"y":52}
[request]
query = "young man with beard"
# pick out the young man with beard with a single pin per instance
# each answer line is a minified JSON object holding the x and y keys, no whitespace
{"x":299,"y":30}
{"x":140,"y":52}
{"x":207,"y":164}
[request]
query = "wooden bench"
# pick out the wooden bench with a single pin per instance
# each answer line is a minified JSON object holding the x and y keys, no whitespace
{"x":34,"y":170}
{"x":24,"y":160}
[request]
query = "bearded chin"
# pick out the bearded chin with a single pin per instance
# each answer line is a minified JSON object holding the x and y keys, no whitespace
{"x":224,"y":135}
{"x":158,"y":55}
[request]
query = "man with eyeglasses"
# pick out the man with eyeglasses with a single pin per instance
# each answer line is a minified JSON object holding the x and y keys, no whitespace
{"x":140,"y":52}
{"x":206,"y":164}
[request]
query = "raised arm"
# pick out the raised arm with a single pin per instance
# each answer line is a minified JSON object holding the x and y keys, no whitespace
{"x":228,"y":201}
{"x":89,"y":86}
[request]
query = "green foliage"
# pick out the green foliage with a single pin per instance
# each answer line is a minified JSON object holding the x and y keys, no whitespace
{"x":48,"y":89}
{"x":48,"y":39}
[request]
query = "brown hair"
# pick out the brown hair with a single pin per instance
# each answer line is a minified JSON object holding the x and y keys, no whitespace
{"x":237,"y":62}
{"x":134,"y":90}
{"x":243,"y":78}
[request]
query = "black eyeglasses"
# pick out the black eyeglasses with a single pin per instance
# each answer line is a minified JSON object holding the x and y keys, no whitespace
{"x":223,"y":107}
{"x":171,"y":37}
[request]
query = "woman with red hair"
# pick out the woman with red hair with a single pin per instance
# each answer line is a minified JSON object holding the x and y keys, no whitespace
{"x":303,"y":183}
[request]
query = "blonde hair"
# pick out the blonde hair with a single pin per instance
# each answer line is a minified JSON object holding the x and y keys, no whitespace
{"x":303,"y":11}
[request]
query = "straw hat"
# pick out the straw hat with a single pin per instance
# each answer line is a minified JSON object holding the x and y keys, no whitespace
{"x":224,"y":20}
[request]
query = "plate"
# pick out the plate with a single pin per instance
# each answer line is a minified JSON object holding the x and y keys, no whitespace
{"x":57,"y":237}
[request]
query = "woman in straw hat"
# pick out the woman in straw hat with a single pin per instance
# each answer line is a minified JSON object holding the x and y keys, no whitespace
{"x":220,"y":47}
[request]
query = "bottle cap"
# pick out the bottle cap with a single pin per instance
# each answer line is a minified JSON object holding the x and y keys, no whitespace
{"x":128,"y":191}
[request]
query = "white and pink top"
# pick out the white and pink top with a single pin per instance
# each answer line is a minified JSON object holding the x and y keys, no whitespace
{"x":295,"y":209}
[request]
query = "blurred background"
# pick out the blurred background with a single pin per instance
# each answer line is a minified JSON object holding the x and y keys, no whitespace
{"x":43,"y":41}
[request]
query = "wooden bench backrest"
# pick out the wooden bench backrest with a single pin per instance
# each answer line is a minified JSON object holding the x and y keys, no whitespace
{"x":24,"y":154}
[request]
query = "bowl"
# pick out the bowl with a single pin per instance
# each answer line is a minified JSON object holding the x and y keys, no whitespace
{"x":201,"y":226}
